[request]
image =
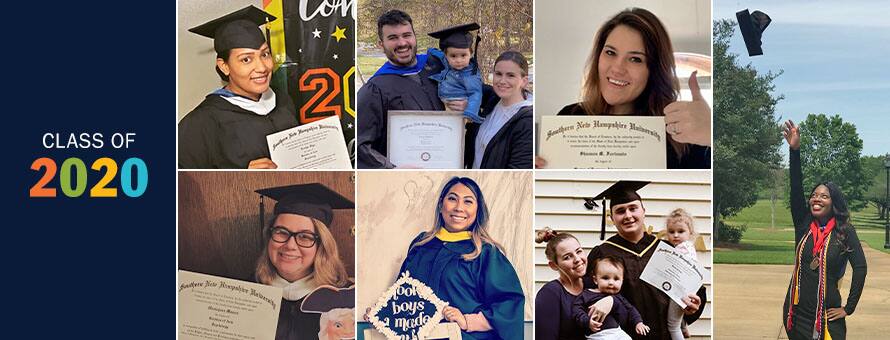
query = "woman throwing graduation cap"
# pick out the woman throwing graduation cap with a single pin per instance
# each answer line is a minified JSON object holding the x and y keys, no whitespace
{"x":301,"y":253}
{"x":826,"y":241}
{"x":465,"y":267}
{"x":630,"y":71}
{"x":635,"y":247}
{"x":228,"y":129}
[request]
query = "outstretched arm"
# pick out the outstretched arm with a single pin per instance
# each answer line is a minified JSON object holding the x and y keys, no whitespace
{"x":798,"y":204}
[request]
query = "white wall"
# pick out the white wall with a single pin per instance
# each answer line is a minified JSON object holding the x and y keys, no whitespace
{"x":559,"y":204}
{"x":564,"y":33}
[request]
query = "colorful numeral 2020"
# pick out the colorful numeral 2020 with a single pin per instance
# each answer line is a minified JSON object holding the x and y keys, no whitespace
{"x":73,"y":177}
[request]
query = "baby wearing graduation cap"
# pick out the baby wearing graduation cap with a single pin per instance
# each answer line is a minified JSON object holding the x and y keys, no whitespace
{"x":460,"y":78}
{"x":301,"y":255}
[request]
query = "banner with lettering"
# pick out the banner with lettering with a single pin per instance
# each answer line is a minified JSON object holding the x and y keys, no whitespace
{"x":319,"y":60}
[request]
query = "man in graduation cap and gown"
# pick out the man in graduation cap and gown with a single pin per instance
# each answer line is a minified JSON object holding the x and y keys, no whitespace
{"x":402,"y":83}
{"x":635,"y":246}
{"x":294,"y":247}
{"x":228,"y":129}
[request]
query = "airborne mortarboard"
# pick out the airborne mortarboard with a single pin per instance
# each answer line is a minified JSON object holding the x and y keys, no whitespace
{"x":619,"y":193}
{"x":752,"y":26}
{"x":457,"y":36}
{"x":311,"y":200}
{"x":239,"y":29}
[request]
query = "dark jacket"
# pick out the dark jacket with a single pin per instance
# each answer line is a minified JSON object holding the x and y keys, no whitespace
{"x":510,"y":148}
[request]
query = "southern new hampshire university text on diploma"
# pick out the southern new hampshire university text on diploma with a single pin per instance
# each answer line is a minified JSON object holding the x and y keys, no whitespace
{"x":607,"y":142}
{"x":674,"y":273}
{"x":213,"y":307}
{"x":426,"y":139}
{"x":316,"y":145}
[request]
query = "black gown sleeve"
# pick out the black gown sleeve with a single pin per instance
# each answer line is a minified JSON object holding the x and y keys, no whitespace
{"x":857,"y":261}
{"x":371,"y":128}
{"x":703,"y":296}
{"x":798,"y":204}
{"x":197,"y":136}
{"x":521,"y":150}
{"x":547,"y":314}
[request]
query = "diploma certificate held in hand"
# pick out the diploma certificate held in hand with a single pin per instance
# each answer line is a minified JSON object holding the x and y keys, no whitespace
{"x":213,"y":307}
{"x":613,"y":142}
{"x":673,"y":273}
{"x":316,"y":145}
{"x":426,"y":139}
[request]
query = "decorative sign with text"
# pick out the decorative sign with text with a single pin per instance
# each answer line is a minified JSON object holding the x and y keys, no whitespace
{"x":107,"y":175}
{"x":407,"y":310}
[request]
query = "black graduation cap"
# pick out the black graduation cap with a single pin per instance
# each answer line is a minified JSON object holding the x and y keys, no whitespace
{"x":311,"y":200}
{"x":619,"y":193}
{"x":457,"y":36}
{"x":239,"y":29}
{"x":325,"y":298}
{"x":752,"y":26}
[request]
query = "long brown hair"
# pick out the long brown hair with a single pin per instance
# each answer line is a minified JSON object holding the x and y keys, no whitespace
{"x":662,"y":87}
{"x":327,"y":269}
{"x":478,"y":230}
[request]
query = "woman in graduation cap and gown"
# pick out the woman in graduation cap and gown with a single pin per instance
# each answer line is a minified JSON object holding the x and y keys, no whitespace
{"x":826,"y":241}
{"x":630,"y":71}
{"x":465,"y":267}
{"x":301,"y":253}
{"x":228,"y":129}
{"x":635,"y":247}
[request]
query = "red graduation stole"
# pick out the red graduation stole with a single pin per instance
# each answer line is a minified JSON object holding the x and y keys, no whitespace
{"x":819,"y":236}
{"x":820,"y":239}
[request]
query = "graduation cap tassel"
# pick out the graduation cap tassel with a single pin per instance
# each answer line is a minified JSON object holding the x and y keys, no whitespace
{"x":476,"y":46}
{"x":268,"y":34}
{"x":262,"y":212}
{"x":603,"y":220}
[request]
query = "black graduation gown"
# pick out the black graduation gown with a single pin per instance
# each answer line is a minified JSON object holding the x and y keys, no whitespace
{"x":381,"y":94}
{"x":836,"y":259}
{"x":697,"y":157}
{"x":649,"y":301}
{"x":510,"y":148}
{"x":487,"y":284}
{"x":220,"y":135}
{"x":294,"y":324}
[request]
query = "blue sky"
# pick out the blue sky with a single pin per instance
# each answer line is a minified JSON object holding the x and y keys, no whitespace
{"x":836,"y":60}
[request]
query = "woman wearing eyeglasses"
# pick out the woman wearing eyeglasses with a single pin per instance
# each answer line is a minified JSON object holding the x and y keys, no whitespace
{"x":826,"y":241}
{"x":301,"y":253}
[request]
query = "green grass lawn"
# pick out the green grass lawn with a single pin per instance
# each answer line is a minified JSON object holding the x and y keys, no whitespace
{"x":369,"y":65}
{"x":765,"y":243}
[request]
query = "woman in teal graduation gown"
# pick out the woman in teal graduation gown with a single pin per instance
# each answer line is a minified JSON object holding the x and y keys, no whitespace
{"x":464,"y":266}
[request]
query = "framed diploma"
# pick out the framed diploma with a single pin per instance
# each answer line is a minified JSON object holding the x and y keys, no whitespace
{"x":426,"y":139}
{"x":606,"y":142}
{"x":673,"y":273}
{"x":213,"y":307}
{"x":316,"y":145}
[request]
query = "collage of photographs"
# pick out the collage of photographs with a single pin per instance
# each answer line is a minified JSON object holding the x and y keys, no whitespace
{"x":519,"y":169}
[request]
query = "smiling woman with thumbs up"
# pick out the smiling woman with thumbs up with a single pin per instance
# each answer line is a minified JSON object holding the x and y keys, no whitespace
{"x":631,"y":72}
